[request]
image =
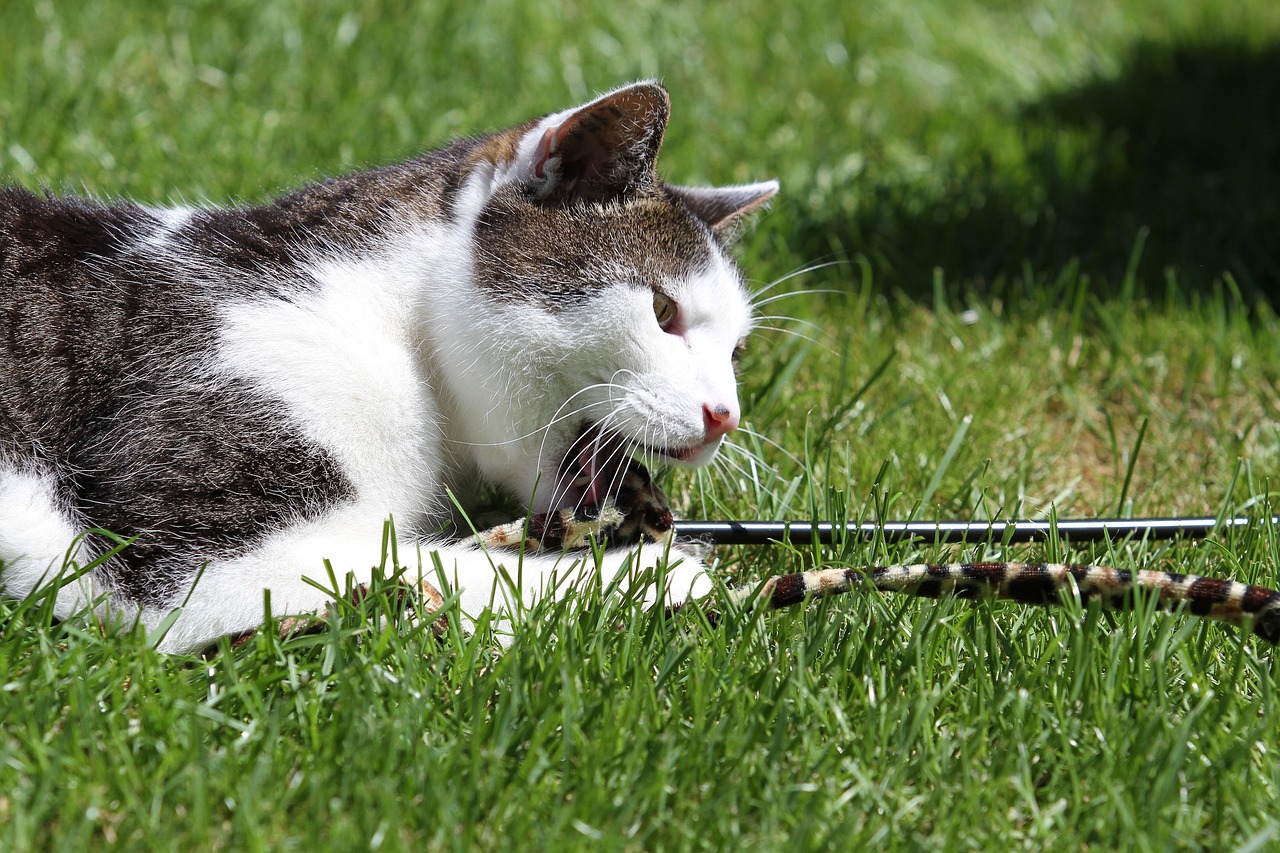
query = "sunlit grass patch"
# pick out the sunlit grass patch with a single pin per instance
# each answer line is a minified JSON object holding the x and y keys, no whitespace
{"x":1050,"y":237}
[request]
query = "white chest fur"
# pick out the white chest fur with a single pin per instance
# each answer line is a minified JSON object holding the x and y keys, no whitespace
{"x":343,"y":361}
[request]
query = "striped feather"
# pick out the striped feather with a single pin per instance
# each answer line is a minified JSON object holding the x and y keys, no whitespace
{"x":1034,"y":583}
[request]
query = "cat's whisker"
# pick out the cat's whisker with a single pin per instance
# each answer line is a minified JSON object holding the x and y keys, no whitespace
{"x":623,"y":452}
{"x":782,"y":330}
{"x":559,"y":417}
{"x":736,"y":449}
{"x":719,"y":472}
{"x":542,"y":446}
{"x":790,"y":294}
{"x":794,"y":321}
{"x":758,"y":436}
{"x":723,"y":462}
{"x":606,"y":455}
{"x":718,"y":469}
{"x":622,"y":371}
{"x":579,"y":444}
{"x":756,"y":294}
{"x":609,"y":448}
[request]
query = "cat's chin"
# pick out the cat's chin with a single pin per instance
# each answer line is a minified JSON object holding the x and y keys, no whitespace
{"x":687,"y":457}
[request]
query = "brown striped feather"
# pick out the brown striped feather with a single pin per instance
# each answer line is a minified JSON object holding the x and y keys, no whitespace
{"x":1033,"y":583}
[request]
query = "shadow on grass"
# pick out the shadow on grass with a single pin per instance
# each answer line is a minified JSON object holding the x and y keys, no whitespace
{"x":1178,"y":155}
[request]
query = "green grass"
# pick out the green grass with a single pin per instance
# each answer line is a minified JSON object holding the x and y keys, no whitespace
{"x":1053,"y":234}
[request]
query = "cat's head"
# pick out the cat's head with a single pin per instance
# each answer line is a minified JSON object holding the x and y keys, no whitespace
{"x":620,"y":312}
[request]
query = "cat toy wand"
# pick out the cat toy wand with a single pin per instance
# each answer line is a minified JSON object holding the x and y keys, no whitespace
{"x":954,"y":532}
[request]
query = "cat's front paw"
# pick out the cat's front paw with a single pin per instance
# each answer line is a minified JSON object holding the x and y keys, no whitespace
{"x":680,"y":575}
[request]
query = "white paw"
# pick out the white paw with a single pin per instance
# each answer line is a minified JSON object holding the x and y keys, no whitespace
{"x":689,"y":580}
{"x":681,"y":575}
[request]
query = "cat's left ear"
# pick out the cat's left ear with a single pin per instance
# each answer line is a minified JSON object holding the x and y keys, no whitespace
{"x":721,"y":208}
{"x":599,"y":151}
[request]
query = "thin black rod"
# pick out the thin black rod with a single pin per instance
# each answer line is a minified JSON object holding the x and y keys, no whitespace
{"x":1022,"y":530}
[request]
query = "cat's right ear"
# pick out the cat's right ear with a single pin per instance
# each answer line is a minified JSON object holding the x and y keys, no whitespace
{"x":600,"y":151}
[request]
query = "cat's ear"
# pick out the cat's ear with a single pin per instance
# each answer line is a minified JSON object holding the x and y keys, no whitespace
{"x":721,"y":208}
{"x":601,"y":150}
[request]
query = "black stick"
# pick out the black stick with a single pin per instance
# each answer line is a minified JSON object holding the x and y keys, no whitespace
{"x":1023,"y":530}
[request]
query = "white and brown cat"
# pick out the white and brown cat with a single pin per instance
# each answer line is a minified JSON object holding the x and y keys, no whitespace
{"x":249,"y":392}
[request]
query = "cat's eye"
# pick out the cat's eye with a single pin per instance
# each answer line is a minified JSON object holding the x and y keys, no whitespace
{"x":664,"y":308}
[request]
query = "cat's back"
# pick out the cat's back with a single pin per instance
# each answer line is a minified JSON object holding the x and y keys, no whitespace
{"x":51,"y":248}
{"x":113,"y":306}
{"x":63,"y":302}
{"x":115,"y":397}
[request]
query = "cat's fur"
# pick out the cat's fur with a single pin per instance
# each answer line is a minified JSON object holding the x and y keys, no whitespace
{"x":249,"y":392}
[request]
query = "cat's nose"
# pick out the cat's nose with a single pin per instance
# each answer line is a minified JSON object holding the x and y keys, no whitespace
{"x":718,"y":420}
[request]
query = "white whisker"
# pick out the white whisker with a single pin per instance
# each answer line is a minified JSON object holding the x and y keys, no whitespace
{"x":785,"y":331}
{"x":745,"y":452}
{"x":782,"y":318}
{"x":778,"y":447}
{"x":723,"y":460}
{"x":778,"y":297}
{"x":796,"y":274}
{"x":559,"y":417}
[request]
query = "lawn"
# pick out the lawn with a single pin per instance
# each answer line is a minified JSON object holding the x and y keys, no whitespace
{"x":1028,"y":265}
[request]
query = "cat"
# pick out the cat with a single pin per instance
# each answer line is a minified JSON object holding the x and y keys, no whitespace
{"x":249,"y":395}
{"x":245,"y":393}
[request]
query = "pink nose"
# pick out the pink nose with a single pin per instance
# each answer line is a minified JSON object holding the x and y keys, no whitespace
{"x":718,"y":420}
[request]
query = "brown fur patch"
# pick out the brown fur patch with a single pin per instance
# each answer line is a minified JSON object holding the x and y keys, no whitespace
{"x":657,"y":239}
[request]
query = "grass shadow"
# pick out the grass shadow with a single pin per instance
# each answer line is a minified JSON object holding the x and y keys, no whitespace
{"x":1176,"y":157}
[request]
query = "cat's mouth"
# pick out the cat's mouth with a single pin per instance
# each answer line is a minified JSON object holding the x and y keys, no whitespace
{"x":597,"y":462}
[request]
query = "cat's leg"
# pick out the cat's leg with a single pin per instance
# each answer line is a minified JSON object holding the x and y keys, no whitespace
{"x":39,"y":541}
{"x":505,"y":583}
{"x":300,"y":568}
{"x":684,"y":574}
{"x":407,"y":597}
{"x":293,"y":566}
